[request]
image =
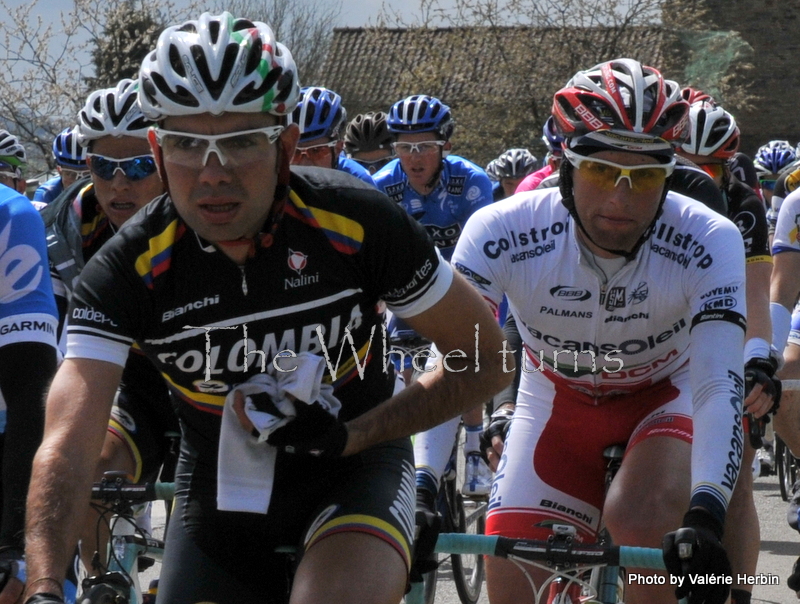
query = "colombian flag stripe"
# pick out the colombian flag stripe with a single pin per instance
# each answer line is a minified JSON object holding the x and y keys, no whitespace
{"x":345,"y":235}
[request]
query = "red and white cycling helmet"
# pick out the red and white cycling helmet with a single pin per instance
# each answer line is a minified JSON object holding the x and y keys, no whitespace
{"x":112,"y":112}
{"x":712,"y":131}
{"x":694,"y":95}
{"x":621,"y":96}
{"x":215,"y":64}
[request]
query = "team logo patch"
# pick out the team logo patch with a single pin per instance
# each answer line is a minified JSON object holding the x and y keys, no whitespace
{"x":297,"y":261}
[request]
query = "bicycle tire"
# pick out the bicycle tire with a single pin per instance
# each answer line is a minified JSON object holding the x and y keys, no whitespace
{"x":780,"y":457}
{"x":468,"y":570}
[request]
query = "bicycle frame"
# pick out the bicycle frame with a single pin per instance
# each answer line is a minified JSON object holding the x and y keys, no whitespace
{"x":127,"y":545}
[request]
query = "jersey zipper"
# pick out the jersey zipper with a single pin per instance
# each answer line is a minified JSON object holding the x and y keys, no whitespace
{"x":244,"y":280}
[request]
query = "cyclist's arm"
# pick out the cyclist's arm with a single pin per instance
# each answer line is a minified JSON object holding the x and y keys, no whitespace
{"x":441,"y":394}
{"x":717,"y":370}
{"x":508,"y":396}
{"x":78,"y":407}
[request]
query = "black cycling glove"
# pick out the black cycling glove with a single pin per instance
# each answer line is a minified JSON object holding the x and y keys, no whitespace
{"x":762,"y":371}
{"x":314,"y":431}
{"x":428,"y":526}
{"x":499,"y":424}
{"x":694,"y":552}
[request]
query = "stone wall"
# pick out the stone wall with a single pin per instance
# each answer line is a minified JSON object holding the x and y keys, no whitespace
{"x":771,"y":31}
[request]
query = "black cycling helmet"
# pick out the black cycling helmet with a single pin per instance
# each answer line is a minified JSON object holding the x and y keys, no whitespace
{"x":367,"y":132}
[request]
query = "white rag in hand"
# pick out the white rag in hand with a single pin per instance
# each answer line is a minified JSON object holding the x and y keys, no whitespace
{"x":246,"y":464}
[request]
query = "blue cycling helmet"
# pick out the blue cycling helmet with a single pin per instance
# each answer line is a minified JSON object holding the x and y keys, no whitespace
{"x":421,"y":113}
{"x":319,"y":113}
{"x":551,"y":137}
{"x":67,"y":151}
{"x":774,"y":157}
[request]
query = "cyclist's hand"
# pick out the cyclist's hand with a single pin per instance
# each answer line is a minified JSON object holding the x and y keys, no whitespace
{"x":428,"y":526}
{"x":313,"y":431}
{"x":762,"y":390}
{"x":695,"y":551}
{"x":494,"y":437}
{"x":12,"y":575}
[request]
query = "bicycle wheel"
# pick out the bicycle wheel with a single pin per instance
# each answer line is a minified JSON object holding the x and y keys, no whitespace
{"x":468,"y":570}
{"x":780,"y":459}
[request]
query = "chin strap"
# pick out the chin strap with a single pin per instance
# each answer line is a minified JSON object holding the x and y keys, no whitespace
{"x":568,"y":199}
{"x":266,"y":236}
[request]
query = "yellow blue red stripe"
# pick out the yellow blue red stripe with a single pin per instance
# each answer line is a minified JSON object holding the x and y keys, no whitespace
{"x":210,"y":403}
{"x":345,"y":234}
{"x":361,"y":523}
{"x":120,"y":432}
{"x":157,"y":259}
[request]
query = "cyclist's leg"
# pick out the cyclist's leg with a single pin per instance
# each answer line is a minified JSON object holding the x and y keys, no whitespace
{"x":432,"y":450}
{"x":357,"y":548}
{"x":552,"y":469}
{"x":787,"y":419}
{"x":189,"y":574}
{"x":116,"y":455}
{"x":742,"y":537}
{"x":134,"y":444}
{"x":650,"y":493}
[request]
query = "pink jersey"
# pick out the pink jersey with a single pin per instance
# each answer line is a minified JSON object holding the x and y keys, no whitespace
{"x":531,"y":181}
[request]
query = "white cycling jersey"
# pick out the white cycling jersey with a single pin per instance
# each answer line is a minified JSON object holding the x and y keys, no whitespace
{"x":633,"y":331}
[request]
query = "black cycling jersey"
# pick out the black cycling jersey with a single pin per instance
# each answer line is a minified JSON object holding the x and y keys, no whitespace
{"x":142,"y":415}
{"x":747,"y":212}
{"x":335,"y":254}
{"x":690,"y":180}
{"x":316,"y":281}
{"x":742,"y":168}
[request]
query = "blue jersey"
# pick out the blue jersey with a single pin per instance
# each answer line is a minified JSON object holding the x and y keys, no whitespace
{"x":48,"y":191}
{"x":356,"y":169}
{"x":27,"y":306}
{"x":463,"y":188}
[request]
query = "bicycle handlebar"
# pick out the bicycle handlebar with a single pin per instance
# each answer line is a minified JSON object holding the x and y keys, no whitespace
{"x":109,"y":491}
{"x":553,"y":552}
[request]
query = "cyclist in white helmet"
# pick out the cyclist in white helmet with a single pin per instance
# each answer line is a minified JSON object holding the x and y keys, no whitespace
{"x":124,"y":178}
{"x":270,"y":268}
{"x":13,"y":160}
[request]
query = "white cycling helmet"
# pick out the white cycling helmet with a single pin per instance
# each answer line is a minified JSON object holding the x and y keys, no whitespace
{"x":712,"y":131}
{"x":11,"y":151}
{"x":112,"y":112}
{"x":216,"y":64}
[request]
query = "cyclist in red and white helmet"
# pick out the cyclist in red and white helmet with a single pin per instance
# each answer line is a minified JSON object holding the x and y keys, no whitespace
{"x":712,"y":142}
{"x":624,"y":294}
{"x":271,"y":268}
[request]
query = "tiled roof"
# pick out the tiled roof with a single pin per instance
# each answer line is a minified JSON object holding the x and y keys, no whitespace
{"x":373,"y":67}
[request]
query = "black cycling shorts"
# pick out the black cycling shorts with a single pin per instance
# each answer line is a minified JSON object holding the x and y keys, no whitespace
{"x":219,"y":556}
